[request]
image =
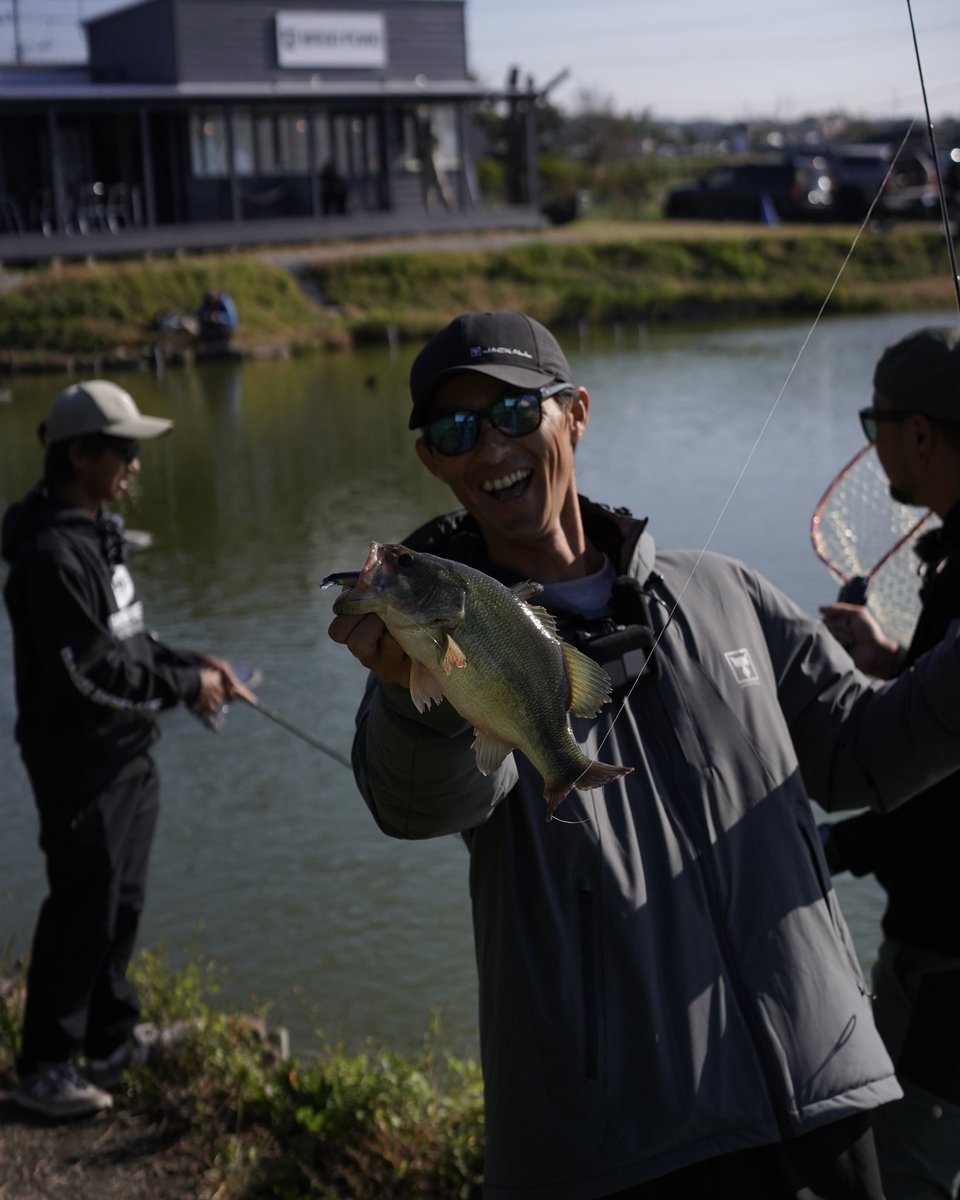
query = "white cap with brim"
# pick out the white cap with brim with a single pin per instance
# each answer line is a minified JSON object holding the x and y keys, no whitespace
{"x":98,"y":406}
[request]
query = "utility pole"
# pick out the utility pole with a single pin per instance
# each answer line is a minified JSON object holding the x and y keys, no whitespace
{"x":17,"y":40}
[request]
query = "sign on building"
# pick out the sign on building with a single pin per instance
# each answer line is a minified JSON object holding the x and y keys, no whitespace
{"x":330,"y":39}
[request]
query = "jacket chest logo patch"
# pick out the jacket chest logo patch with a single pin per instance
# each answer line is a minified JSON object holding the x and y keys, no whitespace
{"x":741,"y":664}
{"x":122,"y":584}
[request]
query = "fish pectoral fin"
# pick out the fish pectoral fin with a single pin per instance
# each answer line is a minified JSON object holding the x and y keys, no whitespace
{"x":526,"y":589}
{"x":424,"y":689}
{"x":589,"y":682}
{"x":453,"y":656}
{"x":490,"y":751}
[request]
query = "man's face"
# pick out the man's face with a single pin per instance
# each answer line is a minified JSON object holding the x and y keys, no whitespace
{"x":517,"y":488}
{"x":106,"y":473}
{"x":893,"y":451}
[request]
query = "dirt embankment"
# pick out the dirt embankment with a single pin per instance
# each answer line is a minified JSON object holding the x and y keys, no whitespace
{"x":129,"y":1153}
{"x":120,"y":1155}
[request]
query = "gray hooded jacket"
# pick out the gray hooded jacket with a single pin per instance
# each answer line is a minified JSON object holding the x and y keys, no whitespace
{"x":665,"y":975}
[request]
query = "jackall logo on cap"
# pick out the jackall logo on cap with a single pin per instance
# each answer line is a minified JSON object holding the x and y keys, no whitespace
{"x":480,"y":351}
{"x":741,"y":664}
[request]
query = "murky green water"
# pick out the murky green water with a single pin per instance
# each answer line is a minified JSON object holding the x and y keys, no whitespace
{"x":266,"y":859}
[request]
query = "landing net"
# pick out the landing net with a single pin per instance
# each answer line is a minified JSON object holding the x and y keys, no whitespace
{"x":866,"y":540}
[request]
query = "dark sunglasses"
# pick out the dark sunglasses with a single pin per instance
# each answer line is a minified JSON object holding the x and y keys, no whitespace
{"x":128,"y":451}
{"x":871,"y":417}
{"x":513,"y":416}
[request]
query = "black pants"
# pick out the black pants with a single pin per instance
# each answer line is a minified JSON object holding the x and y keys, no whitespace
{"x":835,"y":1162}
{"x":96,"y":829}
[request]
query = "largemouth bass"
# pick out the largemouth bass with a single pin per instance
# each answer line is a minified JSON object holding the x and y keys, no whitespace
{"x":497,"y":659}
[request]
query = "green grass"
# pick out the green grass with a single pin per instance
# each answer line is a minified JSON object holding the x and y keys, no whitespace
{"x":84,"y":309}
{"x":369,"y":1125}
{"x":594,"y":270}
{"x":667,"y":275}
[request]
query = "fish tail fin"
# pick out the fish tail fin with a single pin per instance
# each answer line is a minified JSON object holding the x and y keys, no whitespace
{"x":594,"y":775}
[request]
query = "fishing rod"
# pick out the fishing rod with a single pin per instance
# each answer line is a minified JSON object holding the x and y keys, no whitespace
{"x":816,"y":321}
{"x":948,"y":234}
{"x":851,"y":511}
{"x":254,"y":702}
{"x":244,"y":679}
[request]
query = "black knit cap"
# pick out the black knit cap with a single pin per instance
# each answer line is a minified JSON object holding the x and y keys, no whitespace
{"x":508,"y":346}
{"x":922,"y":372}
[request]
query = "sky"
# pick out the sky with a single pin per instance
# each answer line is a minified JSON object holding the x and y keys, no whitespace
{"x":727,"y":59}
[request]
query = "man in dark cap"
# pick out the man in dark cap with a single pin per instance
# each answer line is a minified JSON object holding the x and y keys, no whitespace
{"x":670,"y":1004}
{"x":914,"y":853}
{"x":90,"y":681}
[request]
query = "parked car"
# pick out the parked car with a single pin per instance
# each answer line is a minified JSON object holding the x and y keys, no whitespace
{"x":858,"y":172}
{"x":912,"y":192}
{"x":794,"y":188}
{"x":862,"y":174}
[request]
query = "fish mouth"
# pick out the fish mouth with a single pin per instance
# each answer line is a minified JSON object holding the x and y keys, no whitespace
{"x":507,"y":486}
{"x":372,"y":578}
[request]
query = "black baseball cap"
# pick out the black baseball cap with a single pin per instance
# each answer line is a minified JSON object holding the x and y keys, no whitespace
{"x":922,"y":371}
{"x":505,"y":345}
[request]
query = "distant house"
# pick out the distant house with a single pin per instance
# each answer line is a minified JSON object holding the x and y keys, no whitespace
{"x":218,"y":122}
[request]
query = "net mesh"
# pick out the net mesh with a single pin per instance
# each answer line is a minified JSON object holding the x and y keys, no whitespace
{"x":854,"y":529}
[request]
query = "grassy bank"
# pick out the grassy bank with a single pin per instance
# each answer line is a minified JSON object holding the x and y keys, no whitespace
{"x":373,"y":1125}
{"x":110,"y":309}
{"x":599,"y":273}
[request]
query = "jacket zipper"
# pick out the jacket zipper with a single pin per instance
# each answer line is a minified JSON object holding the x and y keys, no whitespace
{"x":588,"y":988}
{"x":700,"y":837}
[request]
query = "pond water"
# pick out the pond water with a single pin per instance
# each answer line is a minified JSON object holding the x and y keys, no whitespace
{"x":266,"y":860}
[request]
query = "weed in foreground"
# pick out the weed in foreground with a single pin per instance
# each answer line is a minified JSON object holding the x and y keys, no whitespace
{"x":368,"y":1125}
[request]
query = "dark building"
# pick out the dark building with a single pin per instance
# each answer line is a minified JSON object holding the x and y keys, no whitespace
{"x":220,"y":122}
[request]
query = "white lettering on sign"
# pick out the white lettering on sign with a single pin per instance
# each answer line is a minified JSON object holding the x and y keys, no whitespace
{"x":313,"y":39}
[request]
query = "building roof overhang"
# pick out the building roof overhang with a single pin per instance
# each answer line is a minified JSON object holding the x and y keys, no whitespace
{"x":20,"y":91}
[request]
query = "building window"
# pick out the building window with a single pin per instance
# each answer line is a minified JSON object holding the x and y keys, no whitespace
{"x":244,"y":155}
{"x":341,"y":145}
{"x":429,"y":125}
{"x":208,"y":144}
{"x":282,"y":143}
{"x":322,"y":139}
{"x":443,"y":122}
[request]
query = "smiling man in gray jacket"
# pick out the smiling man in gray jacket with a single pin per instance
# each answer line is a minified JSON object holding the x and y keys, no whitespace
{"x":670,"y":1003}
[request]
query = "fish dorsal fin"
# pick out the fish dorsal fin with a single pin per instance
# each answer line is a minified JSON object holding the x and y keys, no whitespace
{"x":424,"y":689}
{"x":589,"y":682}
{"x":490,"y":752}
{"x":526,"y":589}
{"x":546,"y":619}
{"x":453,"y":656}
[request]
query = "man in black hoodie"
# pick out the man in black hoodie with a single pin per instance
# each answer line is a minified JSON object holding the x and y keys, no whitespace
{"x":914,"y":852}
{"x":90,"y":681}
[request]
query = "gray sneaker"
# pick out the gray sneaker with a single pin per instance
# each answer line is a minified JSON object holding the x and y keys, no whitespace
{"x":59,"y":1090}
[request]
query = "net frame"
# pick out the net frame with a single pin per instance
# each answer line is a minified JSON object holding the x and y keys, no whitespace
{"x":865,"y":539}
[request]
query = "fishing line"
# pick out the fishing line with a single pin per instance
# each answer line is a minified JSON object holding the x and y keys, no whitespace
{"x":750,"y":454}
{"x":671,"y":610}
{"x":947,"y":232}
{"x":796,"y":361}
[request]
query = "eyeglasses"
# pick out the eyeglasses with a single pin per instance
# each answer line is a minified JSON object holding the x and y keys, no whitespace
{"x":514,"y":416}
{"x":871,"y":417}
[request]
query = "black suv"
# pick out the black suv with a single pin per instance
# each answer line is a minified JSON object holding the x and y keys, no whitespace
{"x":797,"y":188}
